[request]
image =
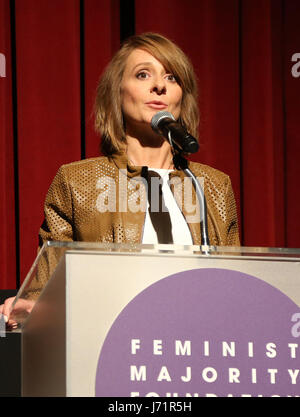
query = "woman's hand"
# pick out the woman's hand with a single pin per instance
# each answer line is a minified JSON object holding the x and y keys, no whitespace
{"x":20,"y":311}
{"x":5,"y":310}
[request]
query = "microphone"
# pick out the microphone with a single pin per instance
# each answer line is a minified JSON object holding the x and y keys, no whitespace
{"x":164,"y":123}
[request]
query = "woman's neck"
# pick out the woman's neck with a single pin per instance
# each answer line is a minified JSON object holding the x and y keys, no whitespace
{"x":152,"y":156}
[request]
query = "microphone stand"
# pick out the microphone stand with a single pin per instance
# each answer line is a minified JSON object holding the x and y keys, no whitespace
{"x":181,"y":163}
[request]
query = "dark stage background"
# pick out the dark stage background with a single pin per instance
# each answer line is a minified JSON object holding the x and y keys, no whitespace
{"x":245,"y":56}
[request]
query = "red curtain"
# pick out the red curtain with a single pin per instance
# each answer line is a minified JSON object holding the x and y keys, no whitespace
{"x":7,"y":183}
{"x":291,"y":96}
{"x":263,"y":165}
{"x":56,"y":43}
{"x":249,"y":99}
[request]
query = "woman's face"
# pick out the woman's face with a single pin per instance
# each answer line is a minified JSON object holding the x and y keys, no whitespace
{"x":146,"y":89}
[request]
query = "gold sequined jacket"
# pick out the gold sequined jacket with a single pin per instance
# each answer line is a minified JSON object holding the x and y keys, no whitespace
{"x":79,"y":207}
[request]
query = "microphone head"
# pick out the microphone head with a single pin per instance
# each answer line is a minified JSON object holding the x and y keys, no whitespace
{"x":158,"y":117}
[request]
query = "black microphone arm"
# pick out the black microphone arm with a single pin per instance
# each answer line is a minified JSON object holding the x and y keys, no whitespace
{"x":164,"y":123}
{"x":182,"y":142}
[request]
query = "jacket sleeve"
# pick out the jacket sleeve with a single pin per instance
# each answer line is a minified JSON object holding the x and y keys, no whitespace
{"x":57,"y":226}
{"x":232,"y":225}
{"x":58,"y":222}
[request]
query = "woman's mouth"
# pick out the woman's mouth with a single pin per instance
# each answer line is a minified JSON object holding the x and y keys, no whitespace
{"x":157,"y":105}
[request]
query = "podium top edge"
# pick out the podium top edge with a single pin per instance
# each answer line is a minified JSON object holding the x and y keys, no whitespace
{"x":268,"y":251}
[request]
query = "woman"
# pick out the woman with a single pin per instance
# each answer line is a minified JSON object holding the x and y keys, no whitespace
{"x":104,"y":199}
{"x":147,"y":75}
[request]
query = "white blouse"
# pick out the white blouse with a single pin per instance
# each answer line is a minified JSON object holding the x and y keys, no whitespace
{"x":180,"y":230}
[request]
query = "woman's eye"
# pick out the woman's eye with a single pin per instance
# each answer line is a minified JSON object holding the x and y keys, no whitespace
{"x":171,"y":77}
{"x":142,"y":75}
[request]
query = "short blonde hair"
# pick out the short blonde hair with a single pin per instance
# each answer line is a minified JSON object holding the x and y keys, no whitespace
{"x":108,"y":111}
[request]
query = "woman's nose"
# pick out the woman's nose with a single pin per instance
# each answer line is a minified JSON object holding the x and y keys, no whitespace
{"x":159,"y":87}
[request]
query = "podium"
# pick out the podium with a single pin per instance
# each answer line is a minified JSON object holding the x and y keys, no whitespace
{"x":161,"y":321}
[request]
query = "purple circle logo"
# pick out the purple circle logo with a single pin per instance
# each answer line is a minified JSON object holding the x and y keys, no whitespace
{"x":204,"y":332}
